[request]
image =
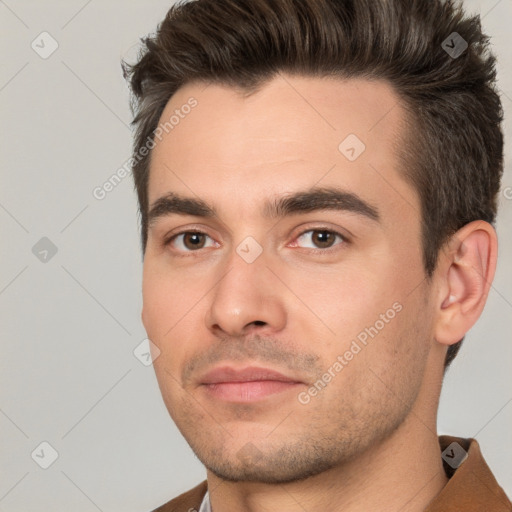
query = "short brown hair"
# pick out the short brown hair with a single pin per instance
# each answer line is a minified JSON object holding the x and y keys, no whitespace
{"x":454,"y":158}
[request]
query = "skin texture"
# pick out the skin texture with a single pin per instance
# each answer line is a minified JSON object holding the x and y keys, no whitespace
{"x":366,"y":440}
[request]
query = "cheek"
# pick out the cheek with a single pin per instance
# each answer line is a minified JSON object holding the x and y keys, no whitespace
{"x":158,"y":306}
{"x":163,"y":308}
{"x":344,"y":301}
{"x":396,"y":356}
{"x":168,"y":298}
{"x":175,"y":305}
{"x":164,"y":316}
{"x":365,"y":306}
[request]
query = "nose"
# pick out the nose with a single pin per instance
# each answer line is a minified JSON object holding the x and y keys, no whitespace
{"x":246,"y":299}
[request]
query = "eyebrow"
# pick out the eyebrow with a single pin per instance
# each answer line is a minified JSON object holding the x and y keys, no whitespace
{"x":314,"y":199}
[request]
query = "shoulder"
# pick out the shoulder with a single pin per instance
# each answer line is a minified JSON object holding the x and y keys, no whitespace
{"x":189,"y":501}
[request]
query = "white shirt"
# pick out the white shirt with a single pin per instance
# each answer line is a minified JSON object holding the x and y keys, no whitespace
{"x":205,"y":504}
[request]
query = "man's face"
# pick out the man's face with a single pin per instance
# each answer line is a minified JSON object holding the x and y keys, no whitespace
{"x":332,"y":298}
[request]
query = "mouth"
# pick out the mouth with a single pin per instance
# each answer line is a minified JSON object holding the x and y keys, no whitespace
{"x":247,"y":384}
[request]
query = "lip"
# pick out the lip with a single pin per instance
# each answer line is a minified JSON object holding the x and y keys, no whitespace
{"x":247,"y":374}
{"x":246,"y":384}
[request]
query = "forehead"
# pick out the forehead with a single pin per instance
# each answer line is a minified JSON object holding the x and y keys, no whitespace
{"x":295,"y":132}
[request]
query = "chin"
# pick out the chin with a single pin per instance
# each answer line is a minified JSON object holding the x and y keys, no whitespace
{"x":284,"y":465}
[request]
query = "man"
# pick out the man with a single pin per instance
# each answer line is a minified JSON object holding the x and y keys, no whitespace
{"x":317,"y":184}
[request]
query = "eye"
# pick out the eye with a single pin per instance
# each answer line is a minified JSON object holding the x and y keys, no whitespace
{"x":322,"y":238}
{"x":188,"y":241}
{"x":192,"y":241}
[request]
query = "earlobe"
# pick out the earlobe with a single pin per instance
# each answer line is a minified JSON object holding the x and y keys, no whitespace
{"x":466,"y":271}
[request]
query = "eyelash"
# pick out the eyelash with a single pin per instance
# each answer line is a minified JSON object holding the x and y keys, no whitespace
{"x":344,"y":239}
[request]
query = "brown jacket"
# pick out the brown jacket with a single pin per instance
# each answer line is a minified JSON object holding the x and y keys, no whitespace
{"x":471,"y":488}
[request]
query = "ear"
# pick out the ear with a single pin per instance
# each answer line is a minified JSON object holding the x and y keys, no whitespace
{"x":465,"y":274}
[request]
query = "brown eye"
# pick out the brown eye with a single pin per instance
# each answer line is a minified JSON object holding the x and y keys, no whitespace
{"x":193,"y":240}
{"x":321,"y":238}
{"x":188,"y":241}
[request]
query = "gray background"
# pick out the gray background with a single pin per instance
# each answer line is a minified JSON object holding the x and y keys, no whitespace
{"x":69,"y":325}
